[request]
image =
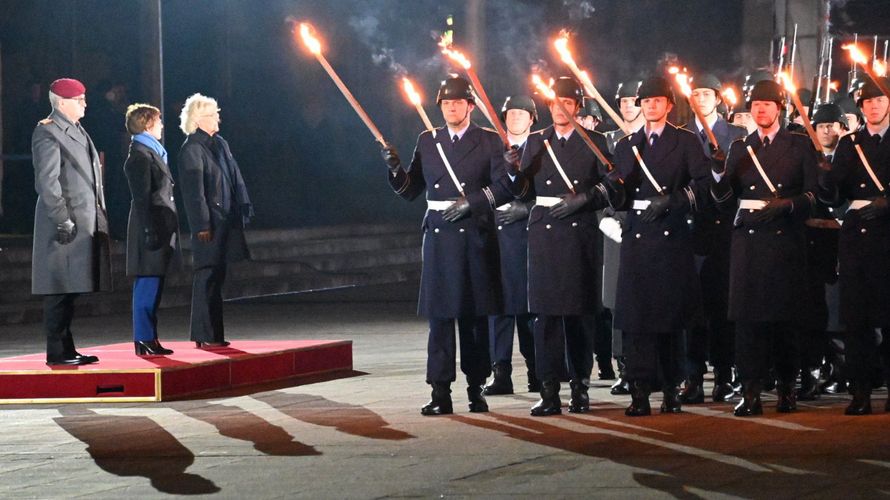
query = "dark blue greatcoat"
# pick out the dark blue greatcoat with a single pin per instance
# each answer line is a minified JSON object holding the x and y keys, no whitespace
{"x":562,"y":253}
{"x":513,"y":247}
{"x":767,"y":281}
{"x":864,"y":249}
{"x":460,"y":259}
{"x":658,"y":288}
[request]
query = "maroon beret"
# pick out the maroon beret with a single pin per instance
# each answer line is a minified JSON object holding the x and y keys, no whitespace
{"x":67,"y":88}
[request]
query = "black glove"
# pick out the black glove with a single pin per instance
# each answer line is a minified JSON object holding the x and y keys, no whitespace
{"x":874,"y":210}
{"x":718,"y":159}
{"x":774,"y":209}
{"x":658,"y":206}
{"x":515,"y":212}
{"x":570,"y":204}
{"x":457,"y":211}
{"x":511,"y":156}
{"x":152,"y":241}
{"x":65,"y":232}
{"x":391,"y":157}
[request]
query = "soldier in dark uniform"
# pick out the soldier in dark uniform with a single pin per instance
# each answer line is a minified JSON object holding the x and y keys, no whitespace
{"x":666,"y":176}
{"x":611,"y":222}
{"x":460,"y":262}
{"x":822,"y":231}
{"x":851,"y":111}
{"x":864,"y":262}
{"x":570,"y":185}
{"x":712,"y":338}
{"x":768,"y":255}
{"x":519,"y":114}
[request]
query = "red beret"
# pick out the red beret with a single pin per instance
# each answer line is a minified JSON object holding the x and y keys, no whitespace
{"x":67,"y":88}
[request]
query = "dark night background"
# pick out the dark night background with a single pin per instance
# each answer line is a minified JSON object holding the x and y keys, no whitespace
{"x":307,"y":158}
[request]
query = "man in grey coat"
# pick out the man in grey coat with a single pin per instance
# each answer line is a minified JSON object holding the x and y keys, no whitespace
{"x":71,"y":247}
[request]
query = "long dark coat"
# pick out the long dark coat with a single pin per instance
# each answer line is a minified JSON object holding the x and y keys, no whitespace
{"x":460,"y":259}
{"x":768,"y":260}
{"x":658,"y":289}
{"x":202,"y":180}
{"x":68,"y":180}
{"x":562,"y":253}
{"x":513,"y":251}
{"x":152,"y":207}
{"x":863,"y":254}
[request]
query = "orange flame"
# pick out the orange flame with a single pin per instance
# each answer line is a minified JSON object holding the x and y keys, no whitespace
{"x":452,"y":54}
{"x":835,"y":85}
{"x":673,"y":70}
{"x":542,"y":87}
{"x":879,"y":67}
{"x":412,"y":94}
{"x":311,"y":42}
{"x":786,"y":81}
{"x":857,"y":56}
{"x":561,"y":44}
{"x":730,"y":96}
{"x":683,"y":82}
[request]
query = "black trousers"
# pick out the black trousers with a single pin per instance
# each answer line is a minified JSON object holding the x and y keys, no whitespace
{"x":500,"y":338}
{"x":655,"y":358}
{"x":864,"y":353}
{"x":712,"y":342}
{"x":207,"y":304}
{"x":58,"y":311}
{"x":442,"y":351}
{"x":599,"y":330}
{"x":762,"y":345}
{"x":563,"y":350}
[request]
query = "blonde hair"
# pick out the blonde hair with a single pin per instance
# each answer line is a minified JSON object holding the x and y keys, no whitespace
{"x":140,"y":117}
{"x":194,"y":105}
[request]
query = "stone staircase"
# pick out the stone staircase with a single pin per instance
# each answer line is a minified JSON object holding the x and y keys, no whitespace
{"x":284,"y":261}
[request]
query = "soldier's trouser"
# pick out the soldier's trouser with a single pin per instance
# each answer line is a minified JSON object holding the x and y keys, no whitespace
{"x":558,"y":339}
{"x":207,"y":304}
{"x":501,"y":338}
{"x":761,"y":345}
{"x":714,"y":343}
{"x":58,"y":311}
{"x":599,"y":330}
{"x":442,"y":353}
{"x":654,"y":358}
{"x":863,"y":353}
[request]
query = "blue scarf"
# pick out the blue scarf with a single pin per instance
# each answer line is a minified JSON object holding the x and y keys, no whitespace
{"x":150,"y":142}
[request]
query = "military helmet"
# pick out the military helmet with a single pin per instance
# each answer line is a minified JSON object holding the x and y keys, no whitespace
{"x":766,"y":90}
{"x":870,"y":89}
{"x":757,"y":75}
{"x":627,"y":89}
{"x":455,"y":88}
{"x":591,"y":108}
{"x":655,"y":86}
{"x":566,"y":86}
{"x":830,"y":113}
{"x":707,"y":81}
{"x":856,"y":84}
{"x":522,"y":102}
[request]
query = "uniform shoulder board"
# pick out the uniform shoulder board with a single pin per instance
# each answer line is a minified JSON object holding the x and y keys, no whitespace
{"x":800,"y":134}
{"x":45,"y":121}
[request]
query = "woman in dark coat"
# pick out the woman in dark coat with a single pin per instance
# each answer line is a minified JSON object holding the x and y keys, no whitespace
{"x":152,"y":229}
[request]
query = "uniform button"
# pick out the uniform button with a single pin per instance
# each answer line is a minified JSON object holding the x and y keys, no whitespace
{"x":750,"y":210}
{"x":436,"y":186}
{"x":575,"y":181}
{"x":717,"y":221}
{"x":436,"y":230}
{"x":779,"y":232}
{"x":778,"y":185}
{"x":750,"y":231}
{"x":463,"y":184}
{"x":637,"y":190}
{"x":664,"y":188}
{"x":862,"y":185}
{"x":667,"y":233}
{"x":574,"y":224}
{"x":863,"y":230}
{"x":461,"y":230}
{"x":547,"y":226}
{"x":637,"y":236}
{"x":639,"y":212}
{"x":500,"y":228}
{"x":171,"y":198}
{"x":752,"y":188}
{"x":548,"y":182}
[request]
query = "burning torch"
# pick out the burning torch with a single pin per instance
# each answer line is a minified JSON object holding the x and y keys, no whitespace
{"x":875,"y":70}
{"x":795,"y":99}
{"x":414,"y":97}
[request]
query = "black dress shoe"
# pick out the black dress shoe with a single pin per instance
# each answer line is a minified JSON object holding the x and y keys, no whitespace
{"x":501,"y":383}
{"x":86,"y":359}
{"x":639,"y":400}
{"x":809,"y":385}
{"x":693,"y":393}
{"x":549,"y":403}
{"x":861,"y":403}
{"x":440,"y":400}
{"x":750,"y":404}
{"x":671,"y":402}
{"x":722,"y":392}
{"x":580,"y":402}
{"x":834,"y":387}
{"x":477,"y":400}
{"x":211,"y":345}
{"x":151,"y":348}
{"x":71,"y":360}
{"x":787,"y":402}
{"x":606,"y":372}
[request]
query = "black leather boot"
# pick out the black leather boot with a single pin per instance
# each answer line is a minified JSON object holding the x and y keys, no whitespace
{"x":861,"y":403}
{"x":477,"y":400}
{"x":580,"y":402}
{"x":809,"y":384}
{"x":440,"y":400}
{"x":549,"y":403}
{"x":501,"y":383}
{"x":621,"y":386}
{"x":151,"y":348}
{"x":723,"y":390}
{"x":534,"y":385}
{"x":639,"y":400}
{"x":604,"y":364}
{"x":750,"y":404}
{"x":672,"y":402}
{"x":787,"y":402}
{"x":693,"y":391}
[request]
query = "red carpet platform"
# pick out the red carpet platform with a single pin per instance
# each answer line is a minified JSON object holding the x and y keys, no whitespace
{"x":121,"y":376}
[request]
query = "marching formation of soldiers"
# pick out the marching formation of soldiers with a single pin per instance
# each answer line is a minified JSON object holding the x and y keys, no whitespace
{"x":753,"y":252}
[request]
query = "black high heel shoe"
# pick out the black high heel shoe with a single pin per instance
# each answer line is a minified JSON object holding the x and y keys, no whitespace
{"x":211,"y":345}
{"x":151,"y":348}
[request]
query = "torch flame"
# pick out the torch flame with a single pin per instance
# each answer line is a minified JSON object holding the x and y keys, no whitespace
{"x":835,"y":85}
{"x":683,"y":82}
{"x":786,"y":81}
{"x":673,"y":70}
{"x":857,"y":56}
{"x":561,"y":45}
{"x":413,"y":96}
{"x":457,"y":57}
{"x":311,"y":42}
{"x":542,"y":87}
{"x":879,"y":67}
{"x":730,"y":96}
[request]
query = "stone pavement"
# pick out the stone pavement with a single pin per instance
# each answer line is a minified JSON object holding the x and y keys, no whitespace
{"x":362,"y":436}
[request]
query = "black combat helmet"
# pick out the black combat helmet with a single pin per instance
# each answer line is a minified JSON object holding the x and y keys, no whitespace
{"x":522,"y":102}
{"x":591,"y":108}
{"x":455,"y":88}
{"x":707,"y":81}
{"x":655,"y":86}
{"x":870,"y":89}
{"x":626,"y":89}
{"x":566,"y":86}
{"x":830,"y":113}
{"x":766,"y":90}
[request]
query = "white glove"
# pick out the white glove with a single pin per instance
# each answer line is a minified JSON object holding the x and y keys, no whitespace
{"x":611,"y":228}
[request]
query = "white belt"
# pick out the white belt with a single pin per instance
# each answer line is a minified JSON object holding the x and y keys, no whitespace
{"x":857,"y":204}
{"x":751,"y":204}
{"x":438,"y":205}
{"x":547,"y":201}
{"x":641,"y":204}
